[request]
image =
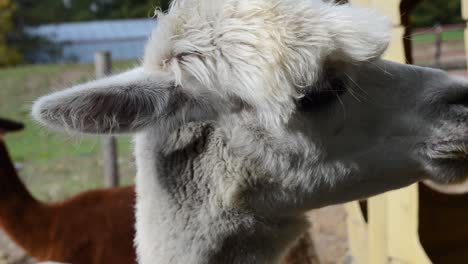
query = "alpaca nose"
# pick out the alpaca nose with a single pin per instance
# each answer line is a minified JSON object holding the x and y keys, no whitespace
{"x":459,"y":99}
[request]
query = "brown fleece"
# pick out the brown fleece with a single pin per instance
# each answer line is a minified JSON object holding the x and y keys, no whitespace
{"x":90,"y":228}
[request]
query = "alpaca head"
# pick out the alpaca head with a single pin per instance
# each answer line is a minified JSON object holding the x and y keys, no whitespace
{"x":208,"y":59}
{"x":300,"y":68}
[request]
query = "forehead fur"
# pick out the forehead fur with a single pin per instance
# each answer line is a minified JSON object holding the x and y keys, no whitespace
{"x":263,"y":51}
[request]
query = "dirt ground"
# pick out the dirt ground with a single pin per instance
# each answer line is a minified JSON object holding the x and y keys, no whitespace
{"x":452,"y":54}
{"x":10,"y":253}
{"x":329,"y":234}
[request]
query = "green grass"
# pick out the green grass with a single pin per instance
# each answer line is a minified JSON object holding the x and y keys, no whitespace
{"x":430,"y":37}
{"x":55,"y":165}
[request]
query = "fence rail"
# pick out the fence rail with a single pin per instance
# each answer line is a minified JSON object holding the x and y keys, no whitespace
{"x":440,"y":46}
{"x":453,"y":27}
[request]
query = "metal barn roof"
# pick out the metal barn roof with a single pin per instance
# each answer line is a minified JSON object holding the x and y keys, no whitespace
{"x":124,"y":38}
{"x":96,"y":30}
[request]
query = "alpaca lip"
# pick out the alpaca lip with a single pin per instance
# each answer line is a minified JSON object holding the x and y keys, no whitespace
{"x":447,"y":150}
{"x":459,"y":155}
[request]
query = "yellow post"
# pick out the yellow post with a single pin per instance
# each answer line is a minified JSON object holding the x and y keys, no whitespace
{"x":404,"y":245}
{"x":377,"y":210}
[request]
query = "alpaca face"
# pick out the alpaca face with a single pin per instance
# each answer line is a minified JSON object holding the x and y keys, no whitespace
{"x":208,"y":59}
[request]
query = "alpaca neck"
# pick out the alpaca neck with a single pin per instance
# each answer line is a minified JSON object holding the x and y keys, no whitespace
{"x":180,"y":213}
{"x":21,"y":216}
{"x":173,"y":237}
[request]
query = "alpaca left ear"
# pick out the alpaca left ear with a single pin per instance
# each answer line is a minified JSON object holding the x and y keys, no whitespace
{"x":122,"y":103}
{"x":359,"y":34}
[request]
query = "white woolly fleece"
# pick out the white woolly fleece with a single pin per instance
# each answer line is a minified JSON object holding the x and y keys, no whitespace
{"x":261,"y":51}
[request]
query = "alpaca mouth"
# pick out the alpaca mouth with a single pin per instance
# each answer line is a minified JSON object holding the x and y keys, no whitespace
{"x":456,"y":150}
{"x":447,"y":160}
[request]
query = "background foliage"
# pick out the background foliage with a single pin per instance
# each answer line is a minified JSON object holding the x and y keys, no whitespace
{"x":34,"y":12}
{"x":429,"y":12}
{"x":8,"y":54}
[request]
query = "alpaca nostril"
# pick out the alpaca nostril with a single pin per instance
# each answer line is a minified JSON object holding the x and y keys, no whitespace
{"x":461,"y":99}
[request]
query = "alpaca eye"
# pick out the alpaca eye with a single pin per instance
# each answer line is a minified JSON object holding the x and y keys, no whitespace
{"x":321,"y":96}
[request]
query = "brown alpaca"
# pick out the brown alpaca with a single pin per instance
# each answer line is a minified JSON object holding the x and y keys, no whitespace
{"x":303,"y":253}
{"x":92,"y":227}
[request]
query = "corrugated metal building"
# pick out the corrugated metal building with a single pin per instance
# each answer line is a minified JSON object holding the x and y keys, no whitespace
{"x":124,"y":38}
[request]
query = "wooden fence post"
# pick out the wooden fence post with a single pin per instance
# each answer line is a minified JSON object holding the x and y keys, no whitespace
{"x":103,"y":64}
{"x":438,"y":45}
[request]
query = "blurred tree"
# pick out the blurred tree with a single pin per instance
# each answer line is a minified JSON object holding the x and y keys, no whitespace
{"x":130,"y":8}
{"x":34,"y":12}
{"x":429,"y":12}
{"x":8,"y":54}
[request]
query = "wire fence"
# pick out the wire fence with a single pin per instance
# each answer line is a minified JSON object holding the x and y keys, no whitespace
{"x":441,"y":46}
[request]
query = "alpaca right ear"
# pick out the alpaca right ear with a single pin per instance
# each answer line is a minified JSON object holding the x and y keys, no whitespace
{"x":358,"y":34}
{"x":122,"y":103}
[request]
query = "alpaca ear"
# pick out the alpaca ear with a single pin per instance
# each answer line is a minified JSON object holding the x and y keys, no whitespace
{"x":359,"y":34}
{"x":120,"y":103}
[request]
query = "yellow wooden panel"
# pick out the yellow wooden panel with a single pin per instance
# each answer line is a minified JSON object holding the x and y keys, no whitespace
{"x":464,"y":4}
{"x":357,"y":233}
{"x":388,"y":8}
{"x":360,"y":2}
{"x":402,"y":227}
{"x":396,"y":50}
{"x":377,"y":231}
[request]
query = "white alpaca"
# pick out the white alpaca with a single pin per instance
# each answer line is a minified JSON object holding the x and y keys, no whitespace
{"x":248,"y":113}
